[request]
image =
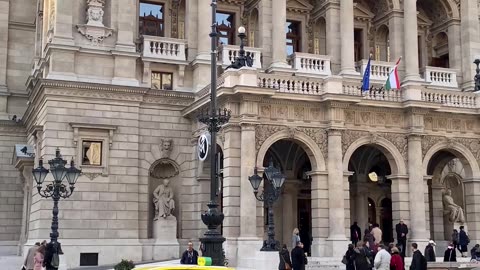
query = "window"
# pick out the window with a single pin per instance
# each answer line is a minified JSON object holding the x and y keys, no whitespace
{"x":294,"y":37}
{"x":226,"y":28}
{"x":162,"y":80}
{"x":92,"y":153}
{"x":358,"y":44}
{"x":151,"y":19}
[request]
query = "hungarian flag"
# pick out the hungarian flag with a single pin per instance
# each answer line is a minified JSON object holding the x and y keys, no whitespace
{"x":393,"y":81}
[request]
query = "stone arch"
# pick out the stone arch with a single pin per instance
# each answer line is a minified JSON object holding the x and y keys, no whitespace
{"x":395,"y":158}
{"x":460,"y":151}
{"x":308,"y":144}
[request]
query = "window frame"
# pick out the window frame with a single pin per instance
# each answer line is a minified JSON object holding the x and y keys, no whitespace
{"x":161,"y":73}
{"x":295,"y":37}
{"x":231,"y":31}
{"x":160,"y":22}
{"x":83,"y":152}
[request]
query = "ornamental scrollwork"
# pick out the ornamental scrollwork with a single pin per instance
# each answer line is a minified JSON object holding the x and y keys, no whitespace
{"x":263,"y":132}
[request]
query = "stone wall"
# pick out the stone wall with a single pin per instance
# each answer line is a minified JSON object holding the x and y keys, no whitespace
{"x":11,"y":188}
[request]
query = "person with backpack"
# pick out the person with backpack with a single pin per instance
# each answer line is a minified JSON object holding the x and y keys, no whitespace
{"x":418,"y":262}
{"x":51,"y":260}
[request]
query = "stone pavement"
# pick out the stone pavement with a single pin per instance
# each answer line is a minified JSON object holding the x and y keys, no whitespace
{"x":11,"y":262}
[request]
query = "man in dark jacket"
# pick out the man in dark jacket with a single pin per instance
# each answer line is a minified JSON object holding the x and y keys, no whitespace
{"x":355,"y":233}
{"x":418,"y":262}
{"x":298,"y":257}
{"x":52,"y":252}
{"x":190,"y":256}
{"x":430,"y":252}
{"x":402,"y":231}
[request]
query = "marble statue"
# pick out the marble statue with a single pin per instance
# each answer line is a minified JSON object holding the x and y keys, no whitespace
{"x":163,"y":200}
{"x":450,"y":208}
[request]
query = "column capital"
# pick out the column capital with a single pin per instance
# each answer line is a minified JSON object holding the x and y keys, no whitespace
{"x":334,"y":132}
{"x":247,"y":126}
{"x":317,"y":173}
{"x":415,"y":137}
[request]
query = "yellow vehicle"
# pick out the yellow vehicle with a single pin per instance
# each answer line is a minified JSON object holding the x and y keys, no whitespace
{"x":183,"y":267}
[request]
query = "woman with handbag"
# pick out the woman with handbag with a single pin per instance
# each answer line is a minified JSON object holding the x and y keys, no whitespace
{"x":285,"y":263}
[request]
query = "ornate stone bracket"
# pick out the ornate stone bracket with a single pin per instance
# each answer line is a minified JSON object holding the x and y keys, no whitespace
{"x":95,"y":30}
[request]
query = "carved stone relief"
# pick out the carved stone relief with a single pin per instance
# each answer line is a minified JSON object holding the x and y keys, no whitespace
{"x":95,"y":30}
{"x":397,"y":139}
{"x":472,"y":144}
{"x":381,"y":118}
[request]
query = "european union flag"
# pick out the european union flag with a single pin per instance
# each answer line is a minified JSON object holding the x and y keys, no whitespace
{"x":366,"y":77}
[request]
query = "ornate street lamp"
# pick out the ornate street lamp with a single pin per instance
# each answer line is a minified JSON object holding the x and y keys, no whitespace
{"x":269,"y":196}
{"x":213,"y":218}
{"x":57,"y":189}
{"x":242,"y":60}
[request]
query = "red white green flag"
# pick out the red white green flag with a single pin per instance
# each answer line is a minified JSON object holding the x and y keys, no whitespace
{"x":393,"y":81}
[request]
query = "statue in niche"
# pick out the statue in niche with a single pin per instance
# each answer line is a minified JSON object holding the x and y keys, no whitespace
{"x":454,"y":211}
{"x":166,"y":148}
{"x":163,"y":200}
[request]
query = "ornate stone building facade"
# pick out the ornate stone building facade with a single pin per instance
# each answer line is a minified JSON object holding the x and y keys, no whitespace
{"x":117,"y":86}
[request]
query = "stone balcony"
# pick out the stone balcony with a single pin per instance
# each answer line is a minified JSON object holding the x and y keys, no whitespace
{"x":379,"y":70}
{"x":443,"y":77}
{"x":310,"y":88}
{"x":164,"y":50}
{"x":310,"y":64}
{"x":230,"y":52}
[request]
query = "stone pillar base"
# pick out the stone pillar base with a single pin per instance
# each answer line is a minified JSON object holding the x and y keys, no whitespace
{"x":336,"y":247}
{"x":319,"y":247}
{"x":247,"y":252}
{"x":166,"y":245}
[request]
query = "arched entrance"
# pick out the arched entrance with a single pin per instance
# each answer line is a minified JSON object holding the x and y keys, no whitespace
{"x":370,"y":190}
{"x":293,"y":209}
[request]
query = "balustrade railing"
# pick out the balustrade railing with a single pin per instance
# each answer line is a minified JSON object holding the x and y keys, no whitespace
{"x":374,"y":94}
{"x":291,"y":84}
{"x":379,"y":70}
{"x":310,"y":63}
{"x":162,"y":48}
{"x":450,"y":98}
{"x":440,"y":76}
{"x":230,"y":52}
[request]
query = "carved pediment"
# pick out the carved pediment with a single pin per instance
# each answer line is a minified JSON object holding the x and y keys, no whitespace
{"x":361,"y":12}
{"x":301,"y":6}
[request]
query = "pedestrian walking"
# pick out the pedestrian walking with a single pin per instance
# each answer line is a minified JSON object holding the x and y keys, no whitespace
{"x":370,"y":239}
{"x":455,"y":239}
{"x":396,"y":262}
{"x":28,"y":262}
{"x":295,"y":237}
{"x":355,"y":233}
{"x":38,"y":258}
{"x":285,"y":262}
{"x":382,"y":259}
{"x":418,"y":261}
{"x":463,"y":241}
{"x":402,"y":230}
{"x":299,"y":260}
{"x":362,"y":257}
{"x":52,"y":252}
{"x":430,"y":252}
{"x":450,"y":254}
{"x":349,"y":257}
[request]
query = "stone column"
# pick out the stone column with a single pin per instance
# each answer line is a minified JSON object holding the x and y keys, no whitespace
{"x":361,"y":202}
{"x":201,"y":63}
{"x":62,"y":21}
{"x":332,"y":18}
{"x":288,"y":216}
{"x":346,"y":31}
{"x":472,"y":200}
{"x":470,"y":40}
{"x":125,"y":27}
{"x":437,"y":214}
{"x":400,"y":199}
{"x":248,"y":242}
{"x":4,"y":18}
{"x":410,"y":35}
{"x":416,"y":192}
{"x":336,"y":202}
{"x":395,"y":25}
{"x":231,"y":190}
{"x":279,"y":40}
{"x":320,"y":213}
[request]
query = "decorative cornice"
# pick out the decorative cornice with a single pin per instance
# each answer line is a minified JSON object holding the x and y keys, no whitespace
{"x":9,"y":126}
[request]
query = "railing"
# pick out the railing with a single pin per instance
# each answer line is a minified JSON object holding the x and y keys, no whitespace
{"x":440,"y":76}
{"x":230,"y":52}
{"x":382,"y":95}
{"x":450,"y":98}
{"x":379,"y":70}
{"x":206,"y":90}
{"x":310,"y":63}
{"x":162,"y":48}
{"x":291,"y":84}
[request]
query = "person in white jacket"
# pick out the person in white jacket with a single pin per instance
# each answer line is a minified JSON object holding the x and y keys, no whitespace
{"x":382,"y":259}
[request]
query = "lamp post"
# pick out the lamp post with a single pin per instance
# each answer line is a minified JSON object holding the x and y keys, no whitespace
{"x":269,"y":196}
{"x":242,"y":59}
{"x":57,"y":189}
{"x":214,"y":119}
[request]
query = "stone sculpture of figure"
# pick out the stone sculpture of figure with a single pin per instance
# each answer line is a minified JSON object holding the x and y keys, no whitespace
{"x":166,"y":148}
{"x":454,"y":211}
{"x":163,"y":200}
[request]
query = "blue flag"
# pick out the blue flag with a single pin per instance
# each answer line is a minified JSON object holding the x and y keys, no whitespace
{"x":366,"y":77}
